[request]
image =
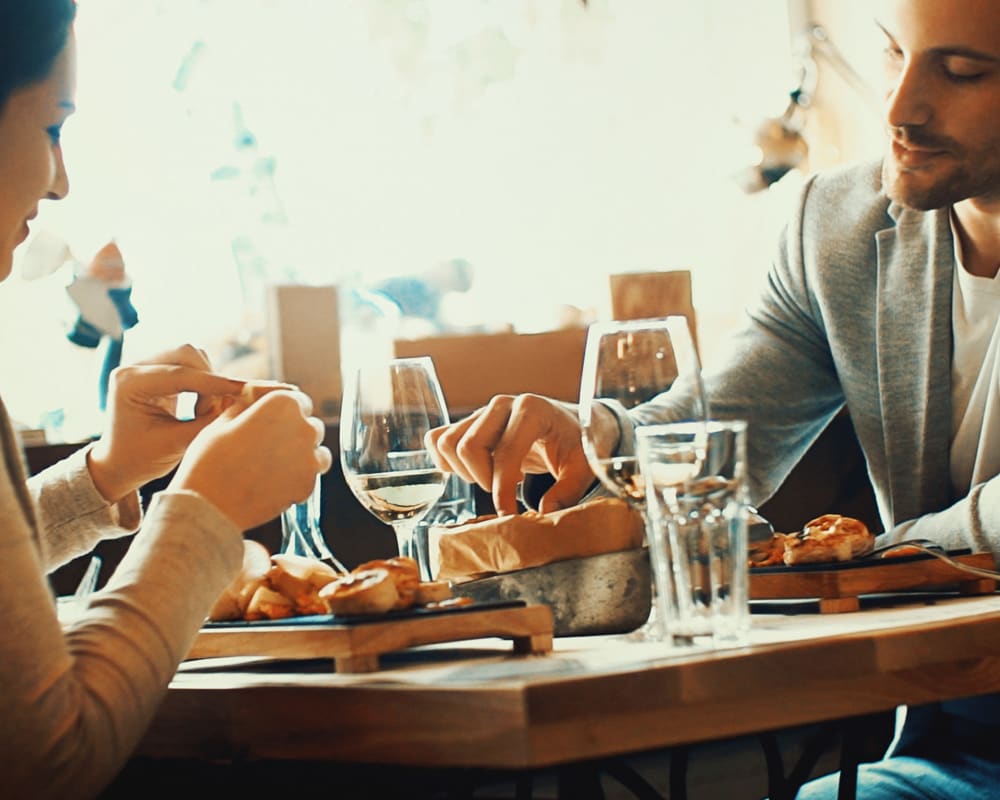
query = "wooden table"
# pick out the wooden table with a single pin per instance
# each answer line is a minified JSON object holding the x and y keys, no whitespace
{"x":471,"y":705}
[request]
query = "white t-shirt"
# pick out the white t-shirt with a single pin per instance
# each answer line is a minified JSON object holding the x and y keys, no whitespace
{"x":975,"y":377}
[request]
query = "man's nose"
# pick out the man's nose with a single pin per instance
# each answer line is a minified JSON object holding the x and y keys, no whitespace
{"x":908,"y":102}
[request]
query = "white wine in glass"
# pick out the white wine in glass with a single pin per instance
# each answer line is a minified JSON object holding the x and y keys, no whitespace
{"x":630,"y":362}
{"x":389,"y":407}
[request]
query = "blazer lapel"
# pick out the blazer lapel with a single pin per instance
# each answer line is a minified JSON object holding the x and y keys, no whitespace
{"x":913,"y":353}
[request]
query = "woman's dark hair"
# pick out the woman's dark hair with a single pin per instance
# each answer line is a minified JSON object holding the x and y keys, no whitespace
{"x":32,"y":35}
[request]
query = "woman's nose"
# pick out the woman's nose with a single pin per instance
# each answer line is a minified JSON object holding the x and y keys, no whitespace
{"x":908,"y":102}
{"x":60,"y":180}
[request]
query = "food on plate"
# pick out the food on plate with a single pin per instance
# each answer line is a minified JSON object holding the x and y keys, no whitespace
{"x":233,"y":602}
{"x":286,"y":585}
{"x":451,"y":602}
{"x":405,"y":574}
{"x":769,"y":552}
{"x":827,"y":538}
{"x":300,"y":578}
{"x":902,"y":550}
{"x":266,"y":603}
{"x":428,"y":592}
{"x":491,"y":544}
{"x":367,"y":591}
{"x":830,"y":537}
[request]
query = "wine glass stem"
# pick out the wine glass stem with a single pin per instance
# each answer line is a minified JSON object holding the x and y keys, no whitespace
{"x":404,"y":538}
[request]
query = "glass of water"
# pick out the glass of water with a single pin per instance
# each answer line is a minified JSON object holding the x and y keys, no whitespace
{"x":696,"y":499}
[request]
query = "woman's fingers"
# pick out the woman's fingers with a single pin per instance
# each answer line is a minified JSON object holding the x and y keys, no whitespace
{"x":150,"y":383}
{"x":187,"y":355}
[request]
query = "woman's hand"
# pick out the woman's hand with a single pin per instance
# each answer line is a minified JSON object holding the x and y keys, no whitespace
{"x":144,"y":439}
{"x":513,"y":435}
{"x":257,"y":458}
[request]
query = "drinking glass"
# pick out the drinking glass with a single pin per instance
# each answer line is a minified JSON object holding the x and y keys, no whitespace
{"x":631,"y":362}
{"x":389,"y":407}
{"x":697,"y":506}
{"x":301,"y":533}
{"x":456,"y":505}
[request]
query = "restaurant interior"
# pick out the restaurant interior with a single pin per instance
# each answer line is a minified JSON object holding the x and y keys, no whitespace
{"x":283,"y":203}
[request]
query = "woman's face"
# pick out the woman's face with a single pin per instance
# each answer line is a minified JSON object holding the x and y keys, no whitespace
{"x":31,"y":162}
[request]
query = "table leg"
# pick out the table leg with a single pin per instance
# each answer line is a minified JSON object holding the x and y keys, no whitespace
{"x":678,"y":772}
{"x":777,"y":786}
{"x":852,"y":734}
{"x":579,"y":782}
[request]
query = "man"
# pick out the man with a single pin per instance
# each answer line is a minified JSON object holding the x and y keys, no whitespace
{"x":883,"y":299}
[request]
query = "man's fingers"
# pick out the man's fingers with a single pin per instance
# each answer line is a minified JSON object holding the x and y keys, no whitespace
{"x":478,"y":449}
{"x":443,"y":443}
{"x":527,"y":424}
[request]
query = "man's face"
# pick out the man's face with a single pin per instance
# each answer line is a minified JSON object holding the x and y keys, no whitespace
{"x":943,"y":101}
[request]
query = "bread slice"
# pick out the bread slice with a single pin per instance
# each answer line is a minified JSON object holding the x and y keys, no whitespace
{"x":492,"y":544}
{"x":830,"y":537}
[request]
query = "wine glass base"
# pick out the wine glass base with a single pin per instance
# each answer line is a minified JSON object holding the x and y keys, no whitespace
{"x":649,"y":631}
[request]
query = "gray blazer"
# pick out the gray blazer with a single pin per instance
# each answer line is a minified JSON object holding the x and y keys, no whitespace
{"x":856,"y":312}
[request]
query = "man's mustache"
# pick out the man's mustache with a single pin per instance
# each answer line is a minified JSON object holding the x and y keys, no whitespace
{"x":918,"y":138}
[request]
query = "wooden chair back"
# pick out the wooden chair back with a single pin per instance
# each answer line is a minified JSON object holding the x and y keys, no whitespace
{"x":642,"y":295}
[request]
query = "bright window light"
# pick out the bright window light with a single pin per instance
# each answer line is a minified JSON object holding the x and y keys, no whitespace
{"x":225,"y":144}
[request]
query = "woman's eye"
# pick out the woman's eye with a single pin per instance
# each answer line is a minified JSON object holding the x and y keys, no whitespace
{"x":54,"y":132}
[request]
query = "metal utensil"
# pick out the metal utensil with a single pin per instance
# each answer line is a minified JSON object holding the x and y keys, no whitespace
{"x":937,"y":551}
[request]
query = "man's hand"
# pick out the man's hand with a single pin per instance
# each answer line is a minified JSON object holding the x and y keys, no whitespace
{"x":143,"y":438}
{"x":513,"y":435}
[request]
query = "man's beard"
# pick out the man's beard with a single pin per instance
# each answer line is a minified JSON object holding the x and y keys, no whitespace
{"x":924,"y":190}
{"x":922,"y":197}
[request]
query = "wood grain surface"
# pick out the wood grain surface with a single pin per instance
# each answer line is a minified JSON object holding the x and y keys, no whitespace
{"x":357,"y":647}
{"x":591,"y":697}
{"x":838,"y":586}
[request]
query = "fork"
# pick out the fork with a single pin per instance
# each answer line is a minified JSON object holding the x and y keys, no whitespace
{"x":934,"y":549}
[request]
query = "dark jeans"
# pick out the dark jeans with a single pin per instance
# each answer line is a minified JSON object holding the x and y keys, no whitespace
{"x":940,"y":756}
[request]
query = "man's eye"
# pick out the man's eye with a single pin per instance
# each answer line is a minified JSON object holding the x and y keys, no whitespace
{"x":55,"y":133}
{"x":892,"y":57}
{"x":963,"y":70}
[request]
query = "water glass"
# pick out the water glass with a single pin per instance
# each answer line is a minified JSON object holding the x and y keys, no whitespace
{"x":697,"y":509}
{"x":457,"y":504}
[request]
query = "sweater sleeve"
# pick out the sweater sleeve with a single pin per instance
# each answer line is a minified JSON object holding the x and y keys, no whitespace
{"x":75,"y":703}
{"x":72,"y":514}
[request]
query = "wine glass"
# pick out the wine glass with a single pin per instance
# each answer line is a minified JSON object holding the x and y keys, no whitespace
{"x":389,"y":407}
{"x":630,"y":362}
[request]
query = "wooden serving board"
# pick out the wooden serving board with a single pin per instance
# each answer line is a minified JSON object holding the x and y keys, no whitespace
{"x":838,"y":586}
{"x":355,"y":643}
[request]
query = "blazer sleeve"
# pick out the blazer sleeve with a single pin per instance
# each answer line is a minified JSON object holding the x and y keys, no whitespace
{"x":777,"y":372}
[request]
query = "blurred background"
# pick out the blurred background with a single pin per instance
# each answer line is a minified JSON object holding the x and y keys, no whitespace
{"x":227,"y":145}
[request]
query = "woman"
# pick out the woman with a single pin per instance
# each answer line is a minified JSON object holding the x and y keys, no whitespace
{"x":73,"y":705}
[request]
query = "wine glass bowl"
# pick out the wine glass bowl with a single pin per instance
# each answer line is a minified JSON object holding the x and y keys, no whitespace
{"x":630,"y":362}
{"x":627,"y":363}
{"x":389,"y":407}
